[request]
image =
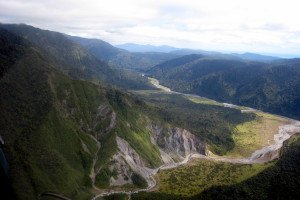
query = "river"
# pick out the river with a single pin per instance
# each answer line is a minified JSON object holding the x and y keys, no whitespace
{"x":265,"y":154}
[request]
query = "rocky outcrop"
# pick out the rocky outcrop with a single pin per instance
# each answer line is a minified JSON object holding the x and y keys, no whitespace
{"x":176,"y":142}
{"x":104,"y":114}
{"x":120,"y":166}
{"x":175,"y":146}
{"x":134,"y":161}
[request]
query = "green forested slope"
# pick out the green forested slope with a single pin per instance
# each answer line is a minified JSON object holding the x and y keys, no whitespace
{"x":272,"y":87}
{"x":46,"y":119}
{"x":74,"y":60}
{"x":213,"y":124}
{"x":42,"y":147}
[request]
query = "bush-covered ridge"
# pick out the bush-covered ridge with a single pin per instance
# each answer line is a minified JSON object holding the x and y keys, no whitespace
{"x":74,"y":60}
{"x":272,"y":87}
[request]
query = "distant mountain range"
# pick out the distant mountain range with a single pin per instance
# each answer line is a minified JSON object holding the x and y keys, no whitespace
{"x":146,"y":48}
{"x":122,"y":58}
{"x":184,"y":51}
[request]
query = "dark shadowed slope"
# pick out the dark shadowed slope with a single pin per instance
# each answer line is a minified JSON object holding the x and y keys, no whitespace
{"x":74,"y":60}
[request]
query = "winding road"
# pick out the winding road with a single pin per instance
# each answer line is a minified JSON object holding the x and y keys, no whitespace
{"x":265,"y":154}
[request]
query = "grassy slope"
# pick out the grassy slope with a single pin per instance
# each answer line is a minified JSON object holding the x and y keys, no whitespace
{"x":132,"y":126}
{"x":250,"y":136}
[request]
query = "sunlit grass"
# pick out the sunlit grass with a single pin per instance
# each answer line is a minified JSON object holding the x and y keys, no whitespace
{"x":203,"y":100}
{"x":253,"y":135}
{"x":202,"y":174}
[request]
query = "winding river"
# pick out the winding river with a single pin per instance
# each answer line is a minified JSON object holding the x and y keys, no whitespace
{"x":265,"y":154}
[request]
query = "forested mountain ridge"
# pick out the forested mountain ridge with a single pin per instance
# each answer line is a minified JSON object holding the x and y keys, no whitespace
{"x":146,"y":48}
{"x":74,"y":60}
{"x":120,"y":58}
{"x":272,"y":87}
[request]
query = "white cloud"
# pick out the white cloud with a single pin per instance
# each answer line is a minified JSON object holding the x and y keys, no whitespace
{"x":230,"y":25}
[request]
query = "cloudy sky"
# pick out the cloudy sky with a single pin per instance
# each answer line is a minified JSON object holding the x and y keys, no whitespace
{"x":265,"y":26}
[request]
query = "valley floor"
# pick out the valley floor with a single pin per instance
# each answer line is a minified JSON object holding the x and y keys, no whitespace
{"x":257,"y":144}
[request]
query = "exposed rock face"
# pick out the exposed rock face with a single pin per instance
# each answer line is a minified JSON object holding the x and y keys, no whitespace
{"x":105,"y":112}
{"x":124,"y":171}
{"x":177,"y":142}
{"x":134,"y":161}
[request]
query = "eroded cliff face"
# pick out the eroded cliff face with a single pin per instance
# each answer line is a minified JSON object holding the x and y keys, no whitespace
{"x":175,"y":145}
{"x":176,"y":142}
{"x":105,"y":119}
{"x":126,"y":162}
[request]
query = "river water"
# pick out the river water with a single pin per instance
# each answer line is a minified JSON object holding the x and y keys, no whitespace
{"x":265,"y":154}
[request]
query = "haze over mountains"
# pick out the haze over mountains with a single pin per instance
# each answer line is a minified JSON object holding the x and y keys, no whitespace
{"x":146,"y":48}
{"x":183,"y":51}
{"x":80,"y":119}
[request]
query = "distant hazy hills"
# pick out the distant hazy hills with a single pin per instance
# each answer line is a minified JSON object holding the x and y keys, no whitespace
{"x":146,"y":48}
{"x":143,"y":57}
{"x":184,"y":51}
{"x":272,"y":86}
{"x":122,"y":58}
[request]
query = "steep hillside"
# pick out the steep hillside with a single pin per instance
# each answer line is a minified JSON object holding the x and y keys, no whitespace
{"x":77,"y":138}
{"x":121,"y":58}
{"x":271,"y":87}
{"x":74,"y":60}
{"x":61,"y":134}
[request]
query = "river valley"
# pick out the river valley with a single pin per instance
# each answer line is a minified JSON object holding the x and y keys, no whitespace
{"x":262,"y":155}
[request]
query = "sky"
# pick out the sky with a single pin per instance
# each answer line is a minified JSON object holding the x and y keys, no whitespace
{"x":263,"y":26}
